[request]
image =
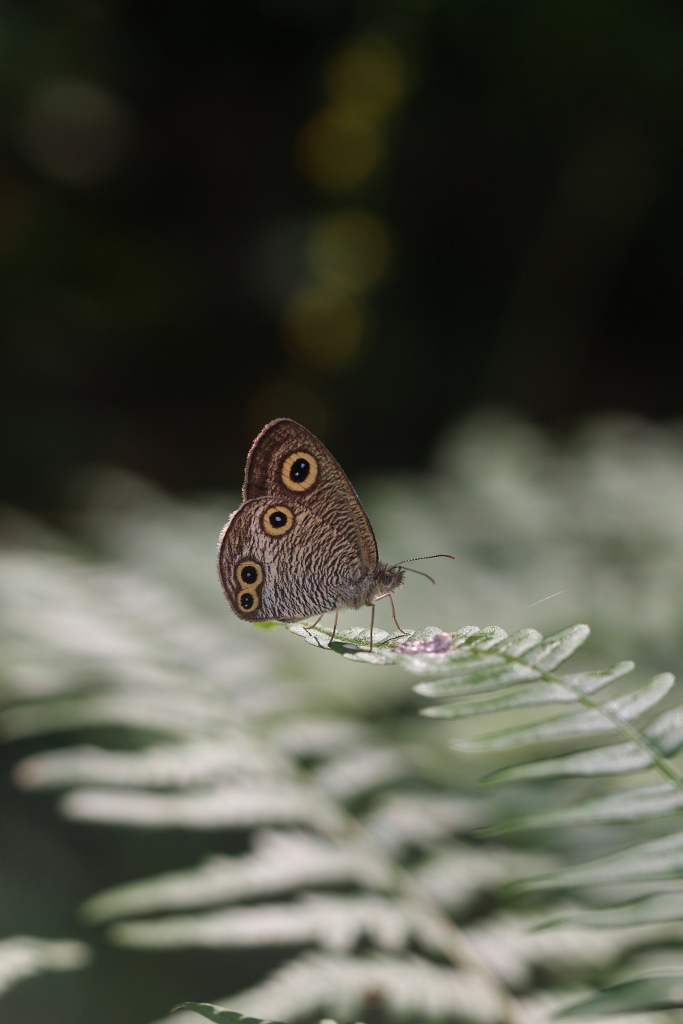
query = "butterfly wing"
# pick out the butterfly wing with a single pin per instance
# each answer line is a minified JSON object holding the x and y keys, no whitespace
{"x":277,"y":559}
{"x":287,"y":461}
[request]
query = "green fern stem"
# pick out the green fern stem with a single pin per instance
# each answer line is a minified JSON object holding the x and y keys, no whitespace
{"x":627,"y":731}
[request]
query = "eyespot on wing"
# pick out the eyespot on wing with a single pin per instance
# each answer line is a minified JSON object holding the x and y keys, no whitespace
{"x":299,"y":471}
{"x":277,"y":520}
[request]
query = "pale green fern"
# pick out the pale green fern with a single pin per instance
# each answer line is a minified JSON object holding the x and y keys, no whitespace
{"x":365,"y":832}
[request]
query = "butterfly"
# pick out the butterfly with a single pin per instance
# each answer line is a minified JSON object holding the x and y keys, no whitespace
{"x":301,"y":544}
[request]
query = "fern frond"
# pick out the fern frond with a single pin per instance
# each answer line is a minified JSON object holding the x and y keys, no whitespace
{"x":664,"y":993}
{"x":511,"y":944}
{"x":542,"y":1010}
{"x":336,"y":983}
{"x":24,"y":956}
{"x":656,"y":859}
{"x":359,"y":770}
{"x":331,"y":922}
{"x":215,"y":717}
{"x":457,"y":875}
{"x":624,"y":805}
{"x":246,"y":804}
{"x":219,"y":1015}
{"x":190,"y":763}
{"x":418,"y":818}
{"x":280,"y":862}
{"x":525,"y":668}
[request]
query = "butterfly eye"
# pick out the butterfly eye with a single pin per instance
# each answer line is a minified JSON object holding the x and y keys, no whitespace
{"x":299,"y":471}
{"x":386,"y":578}
{"x":278,"y":520}
{"x":248,"y":601}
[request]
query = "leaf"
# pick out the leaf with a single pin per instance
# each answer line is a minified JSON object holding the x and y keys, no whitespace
{"x":163,"y":766}
{"x":217,"y":1013}
{"x":24,"y":956}
{"x":167,"y":711}
{"x":339,"y":984}
{"x":517,"y":644}
{"x":632,"y":996}
{"x":623,"y":805}
{"x":279,"y":862}
{"x":226,"y":806}
{"x":646,"y":910}
{"x":584,"y":723}
{"x":615,"y":760}
{"x":553,"y":650}
{"x":418,"y":820}
{"x":666,"y":732}
{"x":657,"y":858}
{"x":353,"y":644}
{"x":332,"y":922}
{"x":566,"y":689}
{"x":523,"y":696}
{"x":479,"y":675}
{"x":364,"y":769}
{"x":457,"y":875}
{"x":569,"y":690}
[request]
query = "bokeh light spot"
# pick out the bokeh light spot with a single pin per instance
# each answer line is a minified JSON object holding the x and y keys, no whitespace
{"x":322,"y":328}
{"x":338,"y":150}
{"x":74,"y":131}
{"x":350,"y":251}
{"x":368,"y":78}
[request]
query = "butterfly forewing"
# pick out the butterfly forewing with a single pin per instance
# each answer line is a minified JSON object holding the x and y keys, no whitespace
{"x":286,"y":460}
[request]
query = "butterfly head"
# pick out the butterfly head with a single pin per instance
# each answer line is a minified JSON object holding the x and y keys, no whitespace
{"x":387,"y":579}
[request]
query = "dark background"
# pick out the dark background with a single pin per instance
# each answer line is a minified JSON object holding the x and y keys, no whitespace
{"x":161,"y":185}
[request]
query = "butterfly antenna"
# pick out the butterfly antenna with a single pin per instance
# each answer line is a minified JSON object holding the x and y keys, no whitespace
{"x":420,"y":558}
{"x":417,"y":571}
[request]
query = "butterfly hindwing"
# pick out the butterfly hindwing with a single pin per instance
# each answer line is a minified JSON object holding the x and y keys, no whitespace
{"x":277,"y":559}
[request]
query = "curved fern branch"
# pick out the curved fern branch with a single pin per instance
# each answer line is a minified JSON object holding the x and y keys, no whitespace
{"x":522,"y":670}
{"x":485,"y":672}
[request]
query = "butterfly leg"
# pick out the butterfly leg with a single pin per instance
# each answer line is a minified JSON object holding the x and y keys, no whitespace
{"x":336,"y":620}
{"x":372,"y":624}
{"x":393,"y":612}
{"x":314,"y":624}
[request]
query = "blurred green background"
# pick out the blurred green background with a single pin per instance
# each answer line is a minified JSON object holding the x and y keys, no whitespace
{"x":371,"y":216}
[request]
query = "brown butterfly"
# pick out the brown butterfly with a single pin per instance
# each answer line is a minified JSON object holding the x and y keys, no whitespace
{"x":301,"y":544}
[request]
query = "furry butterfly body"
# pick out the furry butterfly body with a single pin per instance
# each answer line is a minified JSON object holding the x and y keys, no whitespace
{"x":300,"y":544}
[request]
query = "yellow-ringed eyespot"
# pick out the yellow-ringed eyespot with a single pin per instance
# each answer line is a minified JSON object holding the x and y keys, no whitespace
{"x":277,"y":520}
{"x":299,"y":471}
{"x":248,"y":600}
{"x":249,"y":574}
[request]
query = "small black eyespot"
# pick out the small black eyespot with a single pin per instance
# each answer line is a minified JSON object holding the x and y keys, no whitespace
{"x":299,"y":470}
{"x":277,"y":519}
{"x":248,"y":574}
{"x":246,"y":601}
{"x":386,"y":578}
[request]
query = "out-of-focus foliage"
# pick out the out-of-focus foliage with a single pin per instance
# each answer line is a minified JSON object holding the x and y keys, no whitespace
{"x":23,"y":956}
{"x":244,"y":790}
